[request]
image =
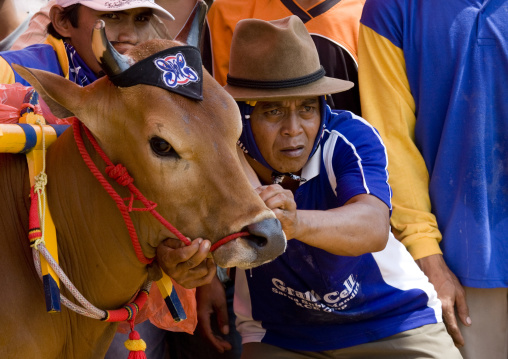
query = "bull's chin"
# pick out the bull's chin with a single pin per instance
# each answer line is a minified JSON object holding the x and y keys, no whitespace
{"x":245,"y":254}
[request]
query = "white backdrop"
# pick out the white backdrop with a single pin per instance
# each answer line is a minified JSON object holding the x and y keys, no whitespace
{"x":29,"y":6}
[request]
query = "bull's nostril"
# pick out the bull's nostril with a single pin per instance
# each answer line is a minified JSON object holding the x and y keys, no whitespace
{"x":257,"y":240}
{"x":264,"y":231}
{"x":266,"y":237}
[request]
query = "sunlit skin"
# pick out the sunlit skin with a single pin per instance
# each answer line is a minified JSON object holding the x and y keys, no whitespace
{"x":284,"y":132}
{"x":124,"y":29}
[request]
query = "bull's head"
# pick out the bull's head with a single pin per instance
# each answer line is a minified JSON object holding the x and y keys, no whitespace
{"x":181,"y":152}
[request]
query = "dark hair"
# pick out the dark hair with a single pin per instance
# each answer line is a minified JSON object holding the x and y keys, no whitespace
{"x":70,"y":13}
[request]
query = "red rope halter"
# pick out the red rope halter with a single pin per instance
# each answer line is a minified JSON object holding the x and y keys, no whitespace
{"x":121,"y":176}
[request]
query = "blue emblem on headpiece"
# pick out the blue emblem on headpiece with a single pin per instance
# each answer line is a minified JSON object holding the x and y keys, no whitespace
{"x":176,"y":71}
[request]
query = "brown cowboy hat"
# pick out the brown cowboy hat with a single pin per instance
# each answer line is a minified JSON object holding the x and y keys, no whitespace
{"x":276,"y":59}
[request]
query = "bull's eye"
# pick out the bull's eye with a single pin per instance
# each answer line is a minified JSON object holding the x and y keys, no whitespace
{"x":162,"y":147}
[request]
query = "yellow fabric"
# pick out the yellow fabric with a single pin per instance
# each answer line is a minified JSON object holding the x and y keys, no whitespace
{"x":6,"y":73}
{"x":387,"y":104}
{"x":59,"y":48}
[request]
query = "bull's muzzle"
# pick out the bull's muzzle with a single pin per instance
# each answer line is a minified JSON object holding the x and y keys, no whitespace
{"x":265,"y":242}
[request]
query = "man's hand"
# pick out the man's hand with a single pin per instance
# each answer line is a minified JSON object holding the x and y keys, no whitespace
{"x":211,"y":299}
{"x":282,"y":202}
{"x":187,"y":265}
{"x":450,"y":292}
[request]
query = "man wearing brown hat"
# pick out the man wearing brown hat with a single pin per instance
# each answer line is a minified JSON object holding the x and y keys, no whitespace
{"x":324,"y":175}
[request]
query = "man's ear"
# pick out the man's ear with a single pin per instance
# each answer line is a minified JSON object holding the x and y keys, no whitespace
{"x":62,"y":25}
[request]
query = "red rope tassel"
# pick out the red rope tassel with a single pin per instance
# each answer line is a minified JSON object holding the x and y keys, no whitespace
{"x":135,"y":344}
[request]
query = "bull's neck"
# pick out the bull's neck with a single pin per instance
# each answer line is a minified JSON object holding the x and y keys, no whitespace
{"x":94,"y":245}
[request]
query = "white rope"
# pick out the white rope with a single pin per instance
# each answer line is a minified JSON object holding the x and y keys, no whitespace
{"x":88,"y":308}
{"x":41,"y":180}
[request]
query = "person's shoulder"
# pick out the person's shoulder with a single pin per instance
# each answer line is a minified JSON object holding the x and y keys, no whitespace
{"x":229,"y":7}
{"x":38,"y":56}
{"x":32,"y":50}
{"x":388,"y":17}
{"x":379,"y":11}
{"x":385,"y":4}
{"x":352,"y":128}
{"x":340,"y":118}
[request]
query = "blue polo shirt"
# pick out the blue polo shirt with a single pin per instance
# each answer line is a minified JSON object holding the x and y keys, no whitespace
{"x":309,"y":299}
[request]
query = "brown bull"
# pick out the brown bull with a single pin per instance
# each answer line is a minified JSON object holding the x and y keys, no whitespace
{"x":200,"y":188}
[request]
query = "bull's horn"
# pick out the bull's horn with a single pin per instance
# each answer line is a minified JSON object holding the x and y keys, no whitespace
{"x":111,"y":61}
{"x":193,"y":28}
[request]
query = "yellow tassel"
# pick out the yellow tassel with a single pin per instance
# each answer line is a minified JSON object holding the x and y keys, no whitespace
{"x":135,"y":345}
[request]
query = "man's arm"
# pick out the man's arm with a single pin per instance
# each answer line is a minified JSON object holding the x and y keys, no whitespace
{"x":211,"y":299}
{"x":449,"y":291}
{"x":387,"y":104}
{"x":360,"y":226}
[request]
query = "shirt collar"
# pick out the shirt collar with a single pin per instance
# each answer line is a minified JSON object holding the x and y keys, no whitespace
{"x":311,"y":168}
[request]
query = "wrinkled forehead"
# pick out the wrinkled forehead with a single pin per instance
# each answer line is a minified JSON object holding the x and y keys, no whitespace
{"x":302,"y":101}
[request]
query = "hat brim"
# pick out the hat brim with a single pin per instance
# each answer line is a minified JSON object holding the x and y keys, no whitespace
{"x":324,"y":86}
{"x":157,"y":10}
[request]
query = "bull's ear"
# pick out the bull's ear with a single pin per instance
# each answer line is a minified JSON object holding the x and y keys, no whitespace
{"x":191,"y":32}
{"x":60,"y":94}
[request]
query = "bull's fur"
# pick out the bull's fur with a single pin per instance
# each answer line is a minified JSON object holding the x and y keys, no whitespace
{"x":204,"y":193}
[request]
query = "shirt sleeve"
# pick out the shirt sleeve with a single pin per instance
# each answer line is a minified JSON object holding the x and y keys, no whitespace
{"x":388,"y":105}
{"x":355,"y":159}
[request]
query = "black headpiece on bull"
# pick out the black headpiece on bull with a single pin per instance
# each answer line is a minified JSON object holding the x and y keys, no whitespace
{"x":177,"y":69}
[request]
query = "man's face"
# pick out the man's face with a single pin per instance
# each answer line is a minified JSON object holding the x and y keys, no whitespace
{"x":285,"y":131}
{"x":124,"y":29}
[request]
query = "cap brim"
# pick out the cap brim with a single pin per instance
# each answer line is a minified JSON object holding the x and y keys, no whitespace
{"x":157,"y":10}
{"x":324,"y":86}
